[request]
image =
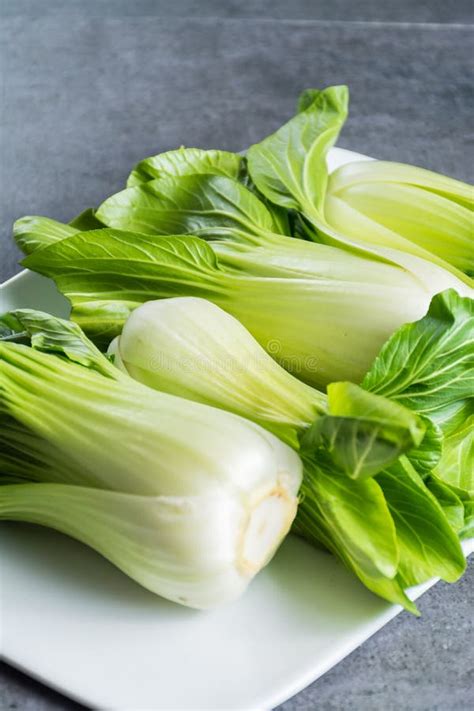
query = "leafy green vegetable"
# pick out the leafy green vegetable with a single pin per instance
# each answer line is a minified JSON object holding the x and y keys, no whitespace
{"x":455,"y":472}
{"x":289,"y":167}
{"x":356,"y":518}
{"x":388,"y":483}
{"x":32,"y":233}
{"x":188,"y":500}
{"x":425,"y":538}
{"x":206,"y":205}
{"x":388,"y":210}
{"x":456,"y":466}
{"x":363,"y":433}
{"x":191,"y":348}
{"x":87,"y":220}
{"x":334,"y":511}
{"x":449,"y":501}
{"x":428,"y":366}
{"x":186,"y":161}
{"x":54,"y":335}
{"x":321,"y":312}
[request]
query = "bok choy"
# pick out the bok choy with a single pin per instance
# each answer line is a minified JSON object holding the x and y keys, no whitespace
{"x":351,"y":441}
{"x":322,"y":312}
{"x":377,"y":205}
{"x":189,"y":501}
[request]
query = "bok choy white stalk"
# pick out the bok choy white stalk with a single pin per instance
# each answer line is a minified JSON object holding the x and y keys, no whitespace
{"x":189,"y":501}
{"x":360,"y":496}
{"x":406,"y":207}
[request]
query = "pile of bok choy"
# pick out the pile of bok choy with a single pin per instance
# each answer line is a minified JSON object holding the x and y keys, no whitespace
{"x":273,"y":331}
{"x":370,"y":462}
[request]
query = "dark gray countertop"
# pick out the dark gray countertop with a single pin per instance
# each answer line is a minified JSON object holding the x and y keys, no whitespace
{"x":91,"y":87}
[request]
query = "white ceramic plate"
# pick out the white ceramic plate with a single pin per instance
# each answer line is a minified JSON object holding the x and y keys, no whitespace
{"x":72,"y":620}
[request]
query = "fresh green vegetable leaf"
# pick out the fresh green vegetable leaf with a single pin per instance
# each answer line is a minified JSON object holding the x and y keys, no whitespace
{"x":428,"y":366}
{"x":11,"y":329}
{"x":456,"y":466}
{"x":107,"y":273}
{"x":56,"y":335}
{"x":87,"y":220}
{"x":307,"y":98}
{"x":187,"y":161}
{"x":33,"y":233}
{"x":289,"y":167}
{"x":334,"y":512}
{"x":426,"y":456}
{"x":398,"y":221}
{"x":363,"y":433}
{"x":449,"y":501}
{"x":468,"y":529}
{"x":428,"y":545}
{"x":206,"y":205}
{"x":356,"y":515}
{"x":455,"y":470}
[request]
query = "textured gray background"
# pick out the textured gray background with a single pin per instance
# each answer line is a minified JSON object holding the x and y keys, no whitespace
{"x":90,"y":87}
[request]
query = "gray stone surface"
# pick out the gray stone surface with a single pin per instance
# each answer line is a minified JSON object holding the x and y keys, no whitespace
{"x":85,"y":96}
{"x":452,"y":11}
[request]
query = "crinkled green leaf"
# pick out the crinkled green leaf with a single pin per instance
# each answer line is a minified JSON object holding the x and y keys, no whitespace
{"x":455,"y":469}
{"x":428,"y":365}
{"x":428,"y":545}
{"x":206,"y":205}
{"x":456,"y":466}
{"x":426,"y":455}
{"x":187,"y":161}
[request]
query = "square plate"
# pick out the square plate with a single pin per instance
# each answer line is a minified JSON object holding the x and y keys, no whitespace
{"x":72,"y":620}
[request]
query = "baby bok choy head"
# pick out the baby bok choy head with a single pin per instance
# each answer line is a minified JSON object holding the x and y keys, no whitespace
{"x":381,"y":206}
{"x":365,"y":456}
{"x":189,"y":501}
{"x":321,"y":311}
